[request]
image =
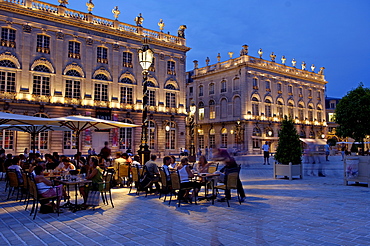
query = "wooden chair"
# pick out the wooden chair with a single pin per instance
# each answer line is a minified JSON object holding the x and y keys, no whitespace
{"x":176,"y":186}
{"x":135,"y":177}
{"x":124,"y":173}
{"x":14,"y":183}
{"x":165,"y":184}
{"x":106,"y":186}
{"x":230,"y":184}
{"x":37,"y":198}
{"x":213,"y":168}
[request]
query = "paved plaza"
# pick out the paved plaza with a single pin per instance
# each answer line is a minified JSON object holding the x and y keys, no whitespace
{"x":309,"y":211}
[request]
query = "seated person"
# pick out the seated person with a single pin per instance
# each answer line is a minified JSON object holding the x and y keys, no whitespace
{"x":202,"y":165}
{"x":136,"y":161}
{"x":173,"y":163}
{"x":50,"y":163}
{"x":95,"y":174}
{"x":65,"y":165}
{"x":166,"y":169}
{"x":184,"y":174}
{"x":153,"y":171}
{"x":45,"y":186}
{"x":16,"y":165}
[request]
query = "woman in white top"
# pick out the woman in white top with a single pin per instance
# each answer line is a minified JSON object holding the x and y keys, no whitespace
{"x":184,"y":174}
{"x":173,"y":162}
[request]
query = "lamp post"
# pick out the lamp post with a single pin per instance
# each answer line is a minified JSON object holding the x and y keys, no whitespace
{"x":145,"y":59}
{"x":193,"y":108}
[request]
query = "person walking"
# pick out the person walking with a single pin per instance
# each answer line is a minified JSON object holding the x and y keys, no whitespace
{"x":266,"y":153}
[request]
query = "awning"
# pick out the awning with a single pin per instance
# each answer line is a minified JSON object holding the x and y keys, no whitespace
{"x":313,"y":141}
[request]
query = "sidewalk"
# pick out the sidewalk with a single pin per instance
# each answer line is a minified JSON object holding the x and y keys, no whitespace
{"x":309,"y":211}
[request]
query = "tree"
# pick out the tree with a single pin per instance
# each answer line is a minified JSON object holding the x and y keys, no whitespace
{"x":289,"y":146}
{"x":353,"y":114}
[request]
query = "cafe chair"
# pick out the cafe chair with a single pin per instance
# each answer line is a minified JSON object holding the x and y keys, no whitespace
{"x":37,"y":198}
{"x":165,"y":184}
{"x":230,"y":184}
{"x":14,"y":184}
{"x":25,"y":186}
{"x":134,"y":179}
{"x":213,"y":168}
{"x":106,"y":186}
{"x":124,"y":174}
{"x":176,"y":186}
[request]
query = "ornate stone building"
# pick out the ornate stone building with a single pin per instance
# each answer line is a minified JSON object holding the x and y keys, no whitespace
{"x":241,"y":102}
{"x":56,"y":61}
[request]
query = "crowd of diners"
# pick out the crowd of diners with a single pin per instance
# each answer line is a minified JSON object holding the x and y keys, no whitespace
{"x":93,"y":167}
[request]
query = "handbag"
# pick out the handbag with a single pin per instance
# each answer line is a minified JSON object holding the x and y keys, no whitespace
{"x":93,"y":198}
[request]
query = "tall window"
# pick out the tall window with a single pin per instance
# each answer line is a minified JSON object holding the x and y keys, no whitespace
{"x":102,"y":55}
{"x":255,"y":83}
{"x":280,"y":111}
{"x":7,"y":37}
{"x":171,"y":68}
{"x":290,"y":110}
{"x":170,"y":139}
{"x":300,"y":112}
{"x":201,"y":138}
{"x":236,"y":84}
{"x":310,"y":113}
{"x":212,"y":110}
{"x":127,"y":59}
{"x":211,"y":88}
{"x":223,"y":86}
{"x":151,"y":134}
{"x":318,"y":95}
{"x":41,"y":83}
{"x":309,"y":93}
{"x":224,"y":138}
{"x":7,"y":79}
{"x":268,"y":108}
{"x":237,"y":111}
{"x":43,"y":44}
{"x":7,"y":139}
{"x":126,"y":95}
{"x":101,"y":92}
{"x":300,"y":92}
{"x":257,"y":133}
{"x":279,"y":88}
{"x":125,"y":136}
{"x":151,"y":94}
{"x":42,"y":139}
{"x":69,"y":140}
{"x":255,"y":106}
{"x":268,"y":85}
{"x":170,"y":99}
{"x":319,"y":114}
{"x":212,"y":138}
{"x":201,"y":111}
{"x":201,"y":90}
{"x":74,"y":50}
{"x":73,"y":89}
{"x":223,"y":108}
{"x":290,"y":90}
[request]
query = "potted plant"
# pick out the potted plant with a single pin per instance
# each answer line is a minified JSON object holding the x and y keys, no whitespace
{"x":289,"y":151}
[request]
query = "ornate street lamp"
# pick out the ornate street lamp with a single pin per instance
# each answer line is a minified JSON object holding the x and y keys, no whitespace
{"x":145,"y":59}
{"x":193,"y":108}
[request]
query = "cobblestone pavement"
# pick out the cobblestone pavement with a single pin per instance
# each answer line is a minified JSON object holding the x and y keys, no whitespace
{"x":309,"y":211}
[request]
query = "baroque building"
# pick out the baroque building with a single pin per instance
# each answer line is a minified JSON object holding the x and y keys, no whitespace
{"x":241,"y":102}
{"x":55,"y":62}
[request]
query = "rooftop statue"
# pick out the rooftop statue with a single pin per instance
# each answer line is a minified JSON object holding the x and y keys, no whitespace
{"x":90,"y":6}
{"x":218,"y":57}
{"x":260,"y":53}
{"x":181,"y":31}
{"x":313,"y":68}
{"x":244,"y":51}
{"x":273,"y":57}
{"x":139,"y":20}
{"x":283,"y":60}
{"x":231,"y":54}
{"x":294,"y":62}
{"x":116,"y":12}
{"x":161,"y":25}
{"x":321,"y":72}
{"x":195,"y":64}
{"x":207,"y":61}
{"x":63,"y":3}
{"x":303,"y":65}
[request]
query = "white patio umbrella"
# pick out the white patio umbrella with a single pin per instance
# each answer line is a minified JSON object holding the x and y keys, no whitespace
{"x":33,"y":130}
{"x":79,"y":123}
{"x":18,"y":119}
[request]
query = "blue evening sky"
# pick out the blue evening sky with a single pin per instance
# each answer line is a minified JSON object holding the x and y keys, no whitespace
{"x":334,"y":34}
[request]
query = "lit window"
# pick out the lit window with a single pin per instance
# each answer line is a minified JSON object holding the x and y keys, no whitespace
{"x":43,"y":44}
{"x":127,"y":59}
{"x":223,"y":86}
{"x":212,"y":110}
{"x":102,"y":55}
{"x":73,"y":89}
{"x":171,"y":68}
{"x":224,"y":138}
{"x":125,"y":136}
{"x":7,"y":37}
{"x":170,"y":139}
{"x":74,"y":50}
{"x":126,"y":95}
{"x":101,"y":92}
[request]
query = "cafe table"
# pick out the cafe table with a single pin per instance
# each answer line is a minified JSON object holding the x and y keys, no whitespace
{"x":207,"y":178}
{"x":76,"y":183}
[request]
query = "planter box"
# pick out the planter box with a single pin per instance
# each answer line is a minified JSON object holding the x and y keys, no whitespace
{"x":288,"y":170}
{"x":357,"y":169}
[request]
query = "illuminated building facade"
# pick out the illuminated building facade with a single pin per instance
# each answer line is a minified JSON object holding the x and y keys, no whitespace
{"x":56,"y":62}
{"x":241,"y":102}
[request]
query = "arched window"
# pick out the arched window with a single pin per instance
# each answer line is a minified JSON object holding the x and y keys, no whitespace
{"x":257,"y":132}
{"x":171,"y":96}
{"x":151,"y":134}
{"x":212,"y":109}
{"x":7,"y":63}
{"x":170,"y":87}
{"x":170,"y":139}
{"x":201,"y":111}
{"x":41,"y":83}
{"x":223,"y":108}
{"x":300,"y":111}
{"x":73,"y":72}
{"x":150,"y":84}
{"x":237,"y":111}
{"x":269,"y":132}
{"x":42,"y":68}
{"x":212,"y":138}
{"x":310,"y":112}
{"x":290,"y":109}
{"x":101,"y":76}
{"x":302,"y":134}
{"x":268,"y":108}
{"x":255,"y":106}
{"x":125,"y":136}
{"x":280,"y":111}
{"x":126,"y":80}
{"x":223,"y":138}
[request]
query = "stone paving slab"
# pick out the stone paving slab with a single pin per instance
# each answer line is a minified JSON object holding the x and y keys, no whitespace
{"x":309,"y":211}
